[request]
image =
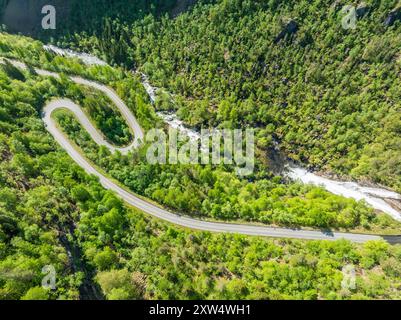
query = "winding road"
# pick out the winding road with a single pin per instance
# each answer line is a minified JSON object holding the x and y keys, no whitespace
{"x":147,"y":207}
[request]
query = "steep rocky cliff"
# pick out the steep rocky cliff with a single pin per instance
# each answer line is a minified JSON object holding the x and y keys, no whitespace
{"x":181,"y":6}
{"x":25,"y":16}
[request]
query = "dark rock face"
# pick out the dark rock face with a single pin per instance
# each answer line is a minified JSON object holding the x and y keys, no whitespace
{"x":182,"y":6}
{"x":290,"y":28}
{"x":362,"y":10}
{"x":26,"y":16}
{"x":393,"y":17}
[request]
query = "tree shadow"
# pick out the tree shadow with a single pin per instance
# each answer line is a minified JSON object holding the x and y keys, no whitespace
{"x":327,"y":232}
{"x":393,"y":239}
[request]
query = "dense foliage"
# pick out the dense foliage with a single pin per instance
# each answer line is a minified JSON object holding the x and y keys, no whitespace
{"x":330,"y":95}
{"x":100,"y":247}
{"x":330,"y":112}
{"x":215,"y":192}
{"x":99,"y":108}
{"x":206,"y":191}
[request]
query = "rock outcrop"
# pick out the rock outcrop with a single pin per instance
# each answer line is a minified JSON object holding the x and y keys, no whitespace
{"x":393,"y":17}
{"x":362,"y":9}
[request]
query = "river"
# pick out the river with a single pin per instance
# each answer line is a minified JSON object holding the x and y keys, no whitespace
{"x":375,"y":197}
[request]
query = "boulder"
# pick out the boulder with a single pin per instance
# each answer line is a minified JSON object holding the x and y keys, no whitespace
{"x":393,"y":17}
{"x":362,"y":9}
{"x":290,"y":28}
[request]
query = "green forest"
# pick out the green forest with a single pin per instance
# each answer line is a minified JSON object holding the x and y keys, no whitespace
{"x":330,"y":96}
{"x":325,"y":93}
